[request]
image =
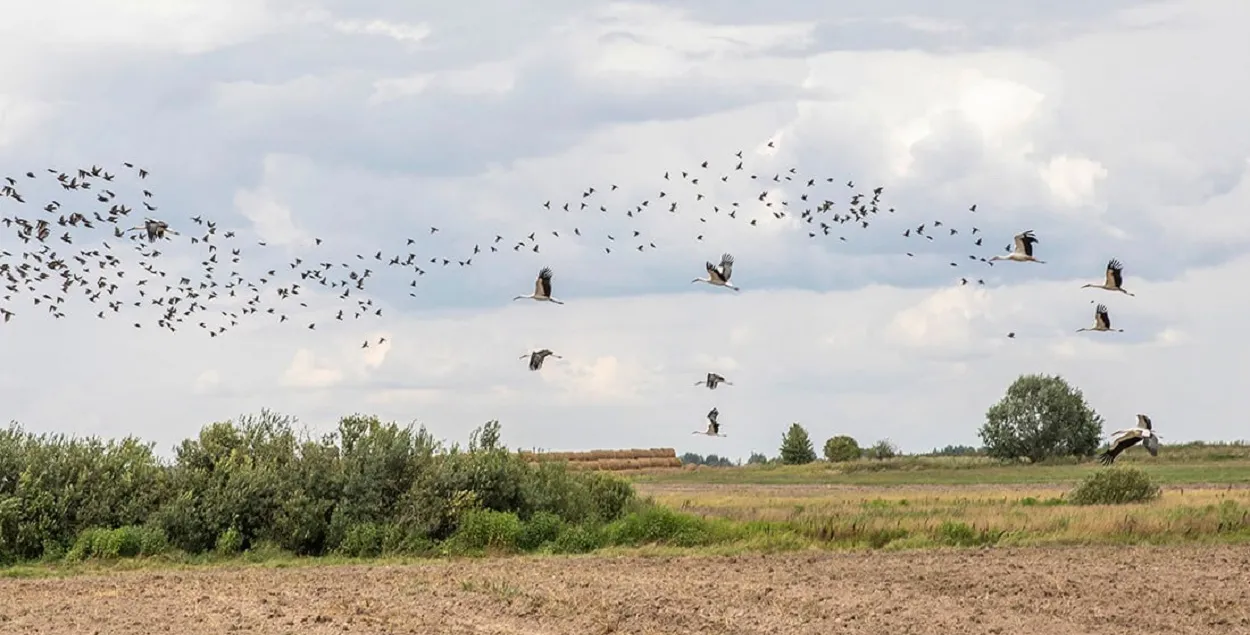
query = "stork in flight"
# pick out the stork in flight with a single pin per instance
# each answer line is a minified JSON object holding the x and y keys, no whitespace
{"x":713,"y":426}
{"x":719,"y":276}
{"x":154,"y":228}
{"x":712,"y":381}
{"x":537,"y":358}
{"x":1023,"y":251}
{"x":1125,"y":439}
{"x":1115,"y":278}
{"x":542,"y":288}
{"x":1102,"y":321}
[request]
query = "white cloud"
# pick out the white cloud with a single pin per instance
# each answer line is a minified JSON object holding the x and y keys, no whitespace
{"x":206,"y":382}
{"x":1073,"y":180}
{"x":270,"y":217}
{"x":181,"y":26}
{"x":365,"y":129}
{"x":394,"y":30}
{"x":305,"y":371}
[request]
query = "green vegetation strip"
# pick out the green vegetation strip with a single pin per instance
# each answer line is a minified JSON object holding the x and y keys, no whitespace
{"x":255,"y":491}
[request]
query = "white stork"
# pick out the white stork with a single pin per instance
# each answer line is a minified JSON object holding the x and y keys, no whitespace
{"x":1023,"y":251}
{"x":712,"y":381}
{"x":542,"y":288}
{"x":537,"y":358}
{"x":1125,"y":439}
{"x":1115,"y":278}
{"x":1102,"y":321}
{"x":713,"y":426}
{"x":719,"y":276}
{"x":154,"y":228}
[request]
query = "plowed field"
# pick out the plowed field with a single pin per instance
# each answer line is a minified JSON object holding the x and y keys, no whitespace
{"x":1050,"y":591}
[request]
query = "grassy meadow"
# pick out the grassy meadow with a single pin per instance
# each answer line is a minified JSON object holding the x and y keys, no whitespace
{"x":921,"y":501}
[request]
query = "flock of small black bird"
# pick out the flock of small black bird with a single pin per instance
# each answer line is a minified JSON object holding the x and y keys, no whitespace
{"x":79,"y":242}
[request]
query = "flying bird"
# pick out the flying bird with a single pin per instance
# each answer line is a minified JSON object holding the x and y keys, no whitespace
{"x":713,"y":426}
{"x":537,"y":358}
{"x":542,"y":288}
{"x":154,"y":228}
{"x":1023,"y":251}
{"x":719,"y":276}
{"x":712,"y":381}
{"x":1102,"y":321}
{"x":1125,"y":439}
{"x":1115,"y":278}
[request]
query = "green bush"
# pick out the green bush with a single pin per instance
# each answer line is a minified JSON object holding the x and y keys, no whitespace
{"x":883,"y":449}
{"x":1115,"y":486}
{"x":659,"y":525}
{"x":368,"y":487}
{"x":964,"y":535}
{"x":577,"y":539}
{"x":363,"y":540}
{"x":611,"y":495}
{"x":488,"y":529}
{"x":123,"y":542}
{"x":229,"y":543}
{"x":540,"y":529}
{"x":841,"y":448}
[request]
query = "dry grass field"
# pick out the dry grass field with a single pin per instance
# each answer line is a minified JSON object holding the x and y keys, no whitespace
{"x":917,"y":515}
{"x":634,"y":460}
{"x":1073,"y":591}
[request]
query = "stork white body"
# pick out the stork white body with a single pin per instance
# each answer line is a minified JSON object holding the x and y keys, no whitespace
{"x":154,"y":228}
{"x":1124,"y":439}
{"x":538,"y":357}
{"x":1115,"y":278}
{"x":542,"y":288}
{"x":1023,"y":251}
{"x":719,"y":276}
{"x":712,"y":381}
{"x":1102,"y":321}
{"x":713,"y":426}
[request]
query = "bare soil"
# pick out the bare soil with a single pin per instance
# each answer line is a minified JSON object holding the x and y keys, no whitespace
{"x":1067,"y":591}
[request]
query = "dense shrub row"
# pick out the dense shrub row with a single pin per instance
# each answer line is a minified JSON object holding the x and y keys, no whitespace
{"x":365,"y":489}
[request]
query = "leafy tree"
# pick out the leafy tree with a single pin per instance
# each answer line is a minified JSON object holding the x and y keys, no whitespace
{"x":796,"y":446}
{"x":690,"y":458}
{"x":757,"y":459}
{"x":1041,"y":416}
{"x":842,"y":448}
{"x":883,"y":449}
{"x":711,"y":460}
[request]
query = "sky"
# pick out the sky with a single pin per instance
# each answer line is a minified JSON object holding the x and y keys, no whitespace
{"x":1110,"y":128}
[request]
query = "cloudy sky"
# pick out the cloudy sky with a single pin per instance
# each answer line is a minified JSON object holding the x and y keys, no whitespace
{"x":1111,"y":128}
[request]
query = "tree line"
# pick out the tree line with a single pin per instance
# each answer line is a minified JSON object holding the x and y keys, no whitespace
{"x":1039,"y":417}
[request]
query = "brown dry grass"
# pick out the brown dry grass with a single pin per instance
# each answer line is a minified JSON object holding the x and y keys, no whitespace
{"x":1021,"y":514}
{"x":627,"y":465}
{"x":630,"y":460}
{"x":1178,"y":591}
